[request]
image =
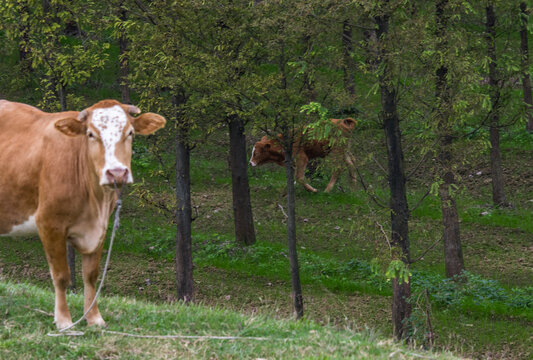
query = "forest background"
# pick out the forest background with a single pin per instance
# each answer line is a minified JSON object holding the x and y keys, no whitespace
{"x":443,"y":209}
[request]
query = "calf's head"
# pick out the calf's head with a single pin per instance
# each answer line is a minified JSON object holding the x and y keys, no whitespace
{"x":267,"y":150}
{"x":109,"y":127}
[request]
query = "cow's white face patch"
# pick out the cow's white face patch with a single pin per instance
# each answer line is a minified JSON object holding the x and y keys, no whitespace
{"x":110,"y":122}
{"x":29,"y":227}
{"x":251,"y":159}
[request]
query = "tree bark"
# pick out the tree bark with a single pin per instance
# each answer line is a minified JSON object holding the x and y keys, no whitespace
{"x":291,"y":226}
{"x":401,"y":309}
{"x":453,"y":253}
{"x":349,"y":83}
{"x":124,"y":60}
{"x":524,"y":51}
{"x":71,"y":260}
{"x":184,"y":265}
{"x":24,"y":52}
{"x":242,"y":208}
{"x":71,"y":253}
{"x":62,"y":96}
{"x":498,"y":193}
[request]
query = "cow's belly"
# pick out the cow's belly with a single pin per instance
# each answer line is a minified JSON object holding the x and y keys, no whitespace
{"x":25,"y":228}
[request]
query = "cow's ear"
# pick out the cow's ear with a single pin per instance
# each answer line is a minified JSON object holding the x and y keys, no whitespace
{"x":71,"y":126}
{"x":148,"y":123}
{"x":264,"y":138}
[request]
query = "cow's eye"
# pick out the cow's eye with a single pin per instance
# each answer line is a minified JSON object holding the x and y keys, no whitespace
{"x":130,"y":133}
{"x":90,"y":135}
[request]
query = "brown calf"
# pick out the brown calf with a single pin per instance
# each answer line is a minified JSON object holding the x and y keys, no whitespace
{"x":269,"y":151}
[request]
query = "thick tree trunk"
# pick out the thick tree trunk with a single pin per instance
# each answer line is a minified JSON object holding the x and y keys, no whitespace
{"x":453,"y":253}
{"x":524,"y":51}
{"x":349,"y":83}
{"x":401,"y":309}
{"x":184,"y":265}
{"x":291,"y":227}
{"x":124,"y":61}
{"x":498,"y":193}
{"x":242,"y":208}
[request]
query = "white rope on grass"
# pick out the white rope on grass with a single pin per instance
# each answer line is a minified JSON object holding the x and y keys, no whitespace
{"x":197,"y":337}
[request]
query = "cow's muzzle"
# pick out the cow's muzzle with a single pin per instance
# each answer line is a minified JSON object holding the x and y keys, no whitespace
{"x":117,"y":175}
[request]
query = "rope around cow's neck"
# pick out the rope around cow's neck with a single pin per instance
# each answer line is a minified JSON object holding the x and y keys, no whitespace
{"x":116,"y":223}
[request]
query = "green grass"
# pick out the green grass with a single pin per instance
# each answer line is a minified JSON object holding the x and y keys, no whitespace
{"x":25,"y":324}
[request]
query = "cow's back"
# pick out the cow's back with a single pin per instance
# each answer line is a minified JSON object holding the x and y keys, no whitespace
{"x":22,"y":135}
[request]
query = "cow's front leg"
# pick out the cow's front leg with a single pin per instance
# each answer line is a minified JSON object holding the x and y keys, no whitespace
{"x":90,"y":264}
{"x":55,"y":248}
{"x":301,"y":165}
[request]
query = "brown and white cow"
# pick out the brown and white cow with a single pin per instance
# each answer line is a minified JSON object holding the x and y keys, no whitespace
{"x":56,"y":179}
{"x":270,"y":151}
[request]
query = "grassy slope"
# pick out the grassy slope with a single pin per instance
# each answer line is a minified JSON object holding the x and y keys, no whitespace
{"x":25,"y":324}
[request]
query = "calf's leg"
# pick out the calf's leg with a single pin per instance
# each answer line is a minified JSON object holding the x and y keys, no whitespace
{"x":334,"y":176}
{"x":301,"y":164}
{"x":90,"y":264}
{"x":350,"y":162}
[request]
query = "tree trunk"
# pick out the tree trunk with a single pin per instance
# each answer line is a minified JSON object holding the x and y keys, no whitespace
{"x":401,"y":309}
{"x":184,"y":265}
{"x":524,"y":51}
{"x":291,"y":226}
{"x":71,"y":260}
{"x":62,"y":96}
{"x":498,"y":193}
{"x":242,"y":208}
{"x":124,"y":61}
{"x":71,"y":253}
{"x":349,"y":84}
{"x":453,"y":253}
{"x":24,"y":42}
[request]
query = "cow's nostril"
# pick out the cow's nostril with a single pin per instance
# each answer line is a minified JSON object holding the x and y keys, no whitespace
{"x":119,"y":175}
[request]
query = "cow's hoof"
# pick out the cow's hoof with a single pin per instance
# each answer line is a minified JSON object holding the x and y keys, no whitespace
{"x":96,"y":322}
{"x":62,"y":324}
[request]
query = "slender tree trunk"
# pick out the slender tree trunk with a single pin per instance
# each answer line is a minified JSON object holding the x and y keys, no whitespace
{"x":524,"y":51}
{"x":242,"y":208}
{"x":124,"y":60}
{"x":71,"y":253}
{"x":71,"y":260}
{"x":24,"y":52}
{"x":498,"y":193}
{"x":184,"y":265}
{"x":401,"y":309}
{"x":453,"y":253}
{"x":291,"y":226}
{"x":62,"y":94}
{"x":349,"y":83}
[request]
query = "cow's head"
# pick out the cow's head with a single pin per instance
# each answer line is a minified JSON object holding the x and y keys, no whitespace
{"x":267,"y":150}
{"x":346,"y":125}
{"x":109,"y":127}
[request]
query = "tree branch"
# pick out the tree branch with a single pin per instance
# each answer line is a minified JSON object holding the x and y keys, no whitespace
{"x":373,"y":197}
